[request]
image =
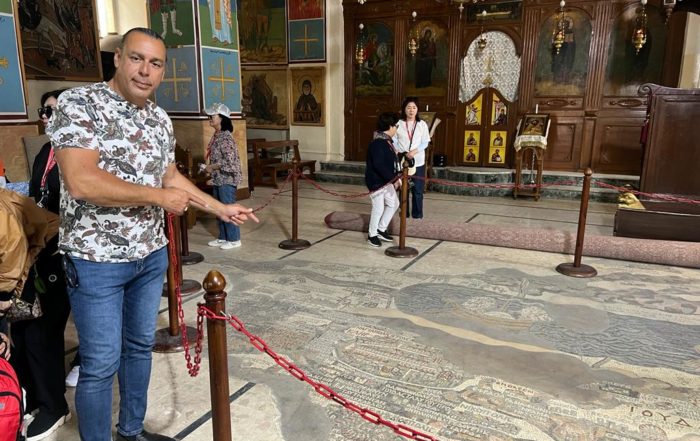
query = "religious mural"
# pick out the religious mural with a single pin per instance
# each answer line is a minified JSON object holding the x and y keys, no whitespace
{"x":426,"y":71}
{"x":563,"y":73}
{"x":375,"y":75}
{"x":309,"y":96}
{"x":59,"y":40}
{"x":509,"y":10}
{"x":179,"y":90}
{"x":627,"y":69}
{"x":499,"y":111}
{"x":305,"y":9}
{"x":263,"y":31}
{"x":218,"y":23}
{"x":173,"y":20}
{"x":221,"y":78}
{"x":265,"y":99}
{"x":307,"y":40}
{"x":11,"y":84}
{"x":471,"y":145}
{"x":473,"y":111}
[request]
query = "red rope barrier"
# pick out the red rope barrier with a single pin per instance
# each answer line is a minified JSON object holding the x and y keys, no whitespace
{"x":274,"y":195}
{"x":660,"y":196}
{"x":322,"y":389}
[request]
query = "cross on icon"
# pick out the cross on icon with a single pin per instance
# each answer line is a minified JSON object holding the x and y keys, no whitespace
{"x":222,"y":79}
{"x":174,"y":79}
{"x":306,"y":40}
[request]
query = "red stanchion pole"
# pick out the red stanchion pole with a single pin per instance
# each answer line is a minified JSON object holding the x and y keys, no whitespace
{"x":295,"y":243}
{"x":402,"y":250}
{"x":215,"y":298}
{"x":577,"y":269}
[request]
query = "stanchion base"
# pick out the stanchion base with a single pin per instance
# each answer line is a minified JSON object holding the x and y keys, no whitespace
{"x":188,"y":286}
{"x":299,"y":244}
{"x":568,"y":269}
{"x":399,"y":252}
{"x":191,"y":258}
{"x":166,"y":343}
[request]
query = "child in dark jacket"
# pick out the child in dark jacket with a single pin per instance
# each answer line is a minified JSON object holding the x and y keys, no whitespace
{"x":381,"y":170}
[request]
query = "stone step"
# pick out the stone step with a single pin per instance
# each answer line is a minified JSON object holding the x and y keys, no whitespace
{"x":346,"y":172}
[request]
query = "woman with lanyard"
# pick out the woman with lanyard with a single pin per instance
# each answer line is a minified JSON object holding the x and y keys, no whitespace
{"x":38,"y":353}
{"x":412,"y":138}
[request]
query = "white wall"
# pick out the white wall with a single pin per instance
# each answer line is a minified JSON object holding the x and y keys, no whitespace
{"x":690,"y":68}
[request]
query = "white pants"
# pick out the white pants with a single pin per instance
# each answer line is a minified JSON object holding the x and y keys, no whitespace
{"x":384,"y":205}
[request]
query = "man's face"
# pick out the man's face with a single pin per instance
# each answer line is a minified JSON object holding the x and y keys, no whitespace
{"x":306,"y":89}
{"x":140,"y":67}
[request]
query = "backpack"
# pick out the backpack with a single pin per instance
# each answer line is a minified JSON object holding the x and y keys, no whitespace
{"x":10,"y":403}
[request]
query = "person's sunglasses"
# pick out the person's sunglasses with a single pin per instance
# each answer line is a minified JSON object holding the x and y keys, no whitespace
{"x":48,"y":111}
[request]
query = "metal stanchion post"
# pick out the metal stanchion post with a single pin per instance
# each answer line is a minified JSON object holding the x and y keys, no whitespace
{"x":402,"y":250}
{"x":187,"y":286}
{"x":215,"y":298}
{"x":577,"y":269}
{"x":169,"y":339}
{"x":295,"y":243}
{"x":187,"y":257}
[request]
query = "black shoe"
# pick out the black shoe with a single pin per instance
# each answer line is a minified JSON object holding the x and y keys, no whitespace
{"x":383,"y":235}
{"x":144,"y":436}
{"x":374,"y":241}
{"x":45,"y":424}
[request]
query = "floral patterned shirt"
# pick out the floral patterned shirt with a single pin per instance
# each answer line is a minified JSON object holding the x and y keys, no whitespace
{"x":224,"y":152}
{"x":136,"y":145}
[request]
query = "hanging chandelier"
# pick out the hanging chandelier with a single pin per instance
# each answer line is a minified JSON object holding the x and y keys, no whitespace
{"x":360,"y":47}
{"x":413,"y":36}
{"x":639,"y":36}
{"x":559,"y":34}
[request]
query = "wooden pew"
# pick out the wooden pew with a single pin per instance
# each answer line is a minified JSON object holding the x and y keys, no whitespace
{"x":271,"y":158}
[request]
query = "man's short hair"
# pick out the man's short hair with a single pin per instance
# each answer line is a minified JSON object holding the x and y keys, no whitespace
{"x":150,"y":32}
{"x":386,"y":120}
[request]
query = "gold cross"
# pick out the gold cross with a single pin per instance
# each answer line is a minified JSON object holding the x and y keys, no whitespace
{"x":306,"y":40}
{"x":174,"y":79}
{"x":222,"y":78}
{"x":4,"y":63}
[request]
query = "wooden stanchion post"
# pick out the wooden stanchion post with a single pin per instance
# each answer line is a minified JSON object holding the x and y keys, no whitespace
{"x":169,"y":339}
{"x":187,"y":286}
{"x":402,"y":250}
{"x":187,"y":257}
{"x":215,"y":298}
{"x":295,"y":243}
{"x":577,"y":269}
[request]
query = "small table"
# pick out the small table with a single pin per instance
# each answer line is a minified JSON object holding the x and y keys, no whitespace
{"x":537,"y":144}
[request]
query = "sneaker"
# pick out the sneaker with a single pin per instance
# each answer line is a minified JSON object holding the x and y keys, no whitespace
{"x":45,"y":424}
{"x":374,"y":241}
{"x":230,"y":245}
{"x":144,"y":436}
{"x":72,"y":377}
{"x":383,"y":235}
{"x":216,"y":243}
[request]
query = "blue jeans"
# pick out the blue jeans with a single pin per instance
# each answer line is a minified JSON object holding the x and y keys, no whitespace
{"x":417,"y":194}
{"x":226,"y":194}
{"x":115,"y":307}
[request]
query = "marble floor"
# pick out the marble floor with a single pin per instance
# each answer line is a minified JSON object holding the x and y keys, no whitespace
{"x":463,"y":342}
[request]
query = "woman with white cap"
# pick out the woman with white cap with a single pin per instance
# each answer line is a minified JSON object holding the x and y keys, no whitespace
{"x":225,"y":170}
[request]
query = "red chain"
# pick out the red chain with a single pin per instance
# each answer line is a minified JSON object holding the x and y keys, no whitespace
{"x":274,"y":195}
{"x":193,"y":368}
{"x":347,"y":196}
{"x":322,"y":389}
{"x":665,"y":197}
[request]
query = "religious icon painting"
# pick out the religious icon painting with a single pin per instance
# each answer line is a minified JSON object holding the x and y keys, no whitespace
{"x":533,"y":124}
{"x":307,"y":40}
{"x":218,"y":23}
{"x":374,"y":75}
{"x":471,"y":139}
{"x":12,"y":104}
{"x":473,"y":111}
{"x":305,"y":9}
{"x":263,"y":31}
{"x":265,"y":101}
{"x":179,"y":90}
{"x":60,"y":40}
{"x":471,"y":154}
{"x":173,"y":20}
{"x":499,"y":112}
{"x":221,"y":77}
{"x":498,"y":138}
{"x":308,"y":96}
{"x":426,"y":69}
{"x":497,"y":155}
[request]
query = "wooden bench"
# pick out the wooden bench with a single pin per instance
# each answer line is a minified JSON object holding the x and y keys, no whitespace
{"x":270,"y":158}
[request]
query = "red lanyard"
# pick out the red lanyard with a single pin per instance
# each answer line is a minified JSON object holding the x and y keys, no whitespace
{"x":49,"y":165}
{"x":410,"y":133}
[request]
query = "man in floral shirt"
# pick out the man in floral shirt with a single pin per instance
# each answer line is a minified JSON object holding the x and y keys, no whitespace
{"x":115,"y":150}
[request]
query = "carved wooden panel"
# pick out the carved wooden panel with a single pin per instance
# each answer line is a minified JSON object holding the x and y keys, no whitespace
{"x":616,"y":145}
{"x":564,"y":143}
